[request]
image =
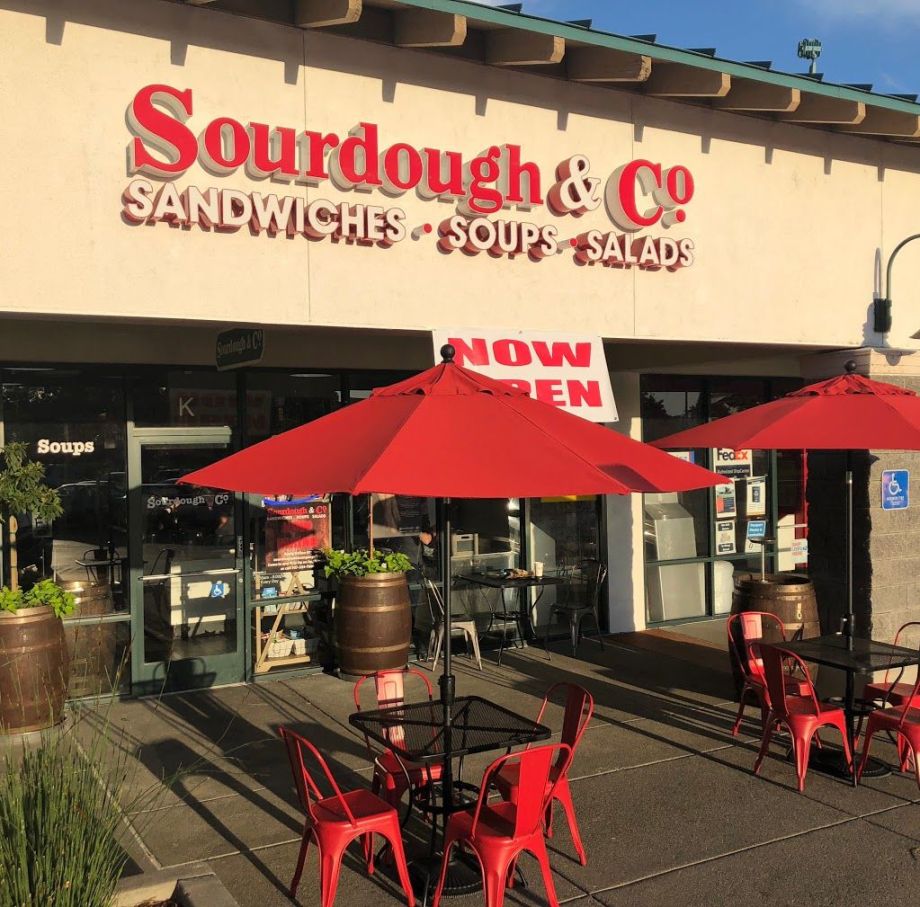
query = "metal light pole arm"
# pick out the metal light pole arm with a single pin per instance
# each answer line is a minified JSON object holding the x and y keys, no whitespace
{"x":891,"y":259}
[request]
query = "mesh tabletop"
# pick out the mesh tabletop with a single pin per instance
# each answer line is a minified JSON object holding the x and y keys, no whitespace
{"x":866,"y":656}
{"x":415,"y":731}
{"x":495,"y":581}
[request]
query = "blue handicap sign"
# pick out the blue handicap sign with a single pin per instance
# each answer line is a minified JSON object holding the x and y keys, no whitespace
{"x":895,"y":489}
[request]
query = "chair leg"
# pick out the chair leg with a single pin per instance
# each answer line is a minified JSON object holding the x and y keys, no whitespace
{"x":738,"y":718}
{"x":564,"y":795}
{"x":474,"y":640}
{"x":542,"y":856}
{"x":802,"y":748}
{"x":331,"y":865}
{"x":573,"y":632}
{"x":394,"y":836}
{"x":597,"y":623}
{"x":438,"y":644}
{"x":867,"y":744}
{"x":495,"y":881}
{"x":846,"y":746}
{"x":369,"y":852}
{"x":298,"y":872}
{"x":764,"y":744}
{"x":445,"y":861}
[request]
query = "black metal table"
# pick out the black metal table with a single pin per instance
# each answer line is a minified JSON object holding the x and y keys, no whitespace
{"x":856,"y":656}
{"x":519,"y":615}
{"x":476,"y":726}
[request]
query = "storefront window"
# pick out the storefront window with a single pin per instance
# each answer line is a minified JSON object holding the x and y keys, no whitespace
{"x":74,"y":425}
{"x":564,"y":539}
{"x":195,"y":398}
{"x":697,"y":542}
{"x":276,"y":402}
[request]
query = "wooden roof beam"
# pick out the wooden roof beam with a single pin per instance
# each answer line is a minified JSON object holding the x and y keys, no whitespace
{"x":510,"y":47}
{"x":821,"y":110}
{"x":675,"y":80}
{"x":892,"y":123}
{"x":322,"y":13}
{"x":427,"y":28}
{"x":603,"y":64}
{"x":759,"y":97}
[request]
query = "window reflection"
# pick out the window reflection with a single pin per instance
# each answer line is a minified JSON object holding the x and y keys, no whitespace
{"x":75,"y":429}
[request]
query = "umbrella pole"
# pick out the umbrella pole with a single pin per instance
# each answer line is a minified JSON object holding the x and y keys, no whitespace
{"x":849,"y":543}
{"x":447,"y":681}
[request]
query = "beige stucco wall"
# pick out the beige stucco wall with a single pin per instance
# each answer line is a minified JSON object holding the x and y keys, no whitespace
{"x":787,"y":222}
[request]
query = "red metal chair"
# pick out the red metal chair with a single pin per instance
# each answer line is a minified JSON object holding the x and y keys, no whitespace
{"x":392,"y":775}
{"x":746,"y":630}
{"x":801,"y":715}
{"x":498,"y":833}
{"x":902,"y":720}
{"x":892,"y":693}
{"x":335,"y":821}
{"x":579,"y":707}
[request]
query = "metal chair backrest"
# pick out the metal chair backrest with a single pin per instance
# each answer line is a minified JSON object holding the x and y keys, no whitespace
{"x":390,"y":690}
{"x":745,"y":630}
{"x":579,"y":707}
{"x":299,"y":751}
{"x":903,"y":631}
{"x":909,"y":704}
{"x":775,"y":662}
{"x":435,"y":602}
{"x":595,"y":573}
{"x":534,"y":788}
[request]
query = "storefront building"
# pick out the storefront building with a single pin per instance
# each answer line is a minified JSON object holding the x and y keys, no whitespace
{"x":339,"y":179}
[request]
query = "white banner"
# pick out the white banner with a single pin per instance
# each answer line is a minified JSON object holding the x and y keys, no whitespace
{"x":566,"y":370}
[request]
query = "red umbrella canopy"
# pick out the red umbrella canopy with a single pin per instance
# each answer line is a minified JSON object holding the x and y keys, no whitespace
{"x":848,"y":412}
{"x":451,"y":432}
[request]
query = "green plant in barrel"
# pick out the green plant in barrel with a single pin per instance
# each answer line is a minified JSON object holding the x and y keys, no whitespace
{"x":373,"y":619}
{"x":23,"y":490}
{"x":361,"y":562}
{"x":34,"y":664}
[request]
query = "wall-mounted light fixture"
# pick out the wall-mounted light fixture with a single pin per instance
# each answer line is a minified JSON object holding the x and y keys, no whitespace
{"x":881,"y":308}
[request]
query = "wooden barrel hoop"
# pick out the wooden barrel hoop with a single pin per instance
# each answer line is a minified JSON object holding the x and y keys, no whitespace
{"x":33,"y":670}
{"x":373,"y":623}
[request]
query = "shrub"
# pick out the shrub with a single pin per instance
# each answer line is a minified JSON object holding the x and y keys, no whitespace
{"x":360,"y":563}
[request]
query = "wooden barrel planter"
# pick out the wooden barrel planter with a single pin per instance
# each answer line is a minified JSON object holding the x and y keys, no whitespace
{"x":790,"y":596}
{"x":33,"y":670}
{"x":373,"y":623}
{"x":91,"y":647}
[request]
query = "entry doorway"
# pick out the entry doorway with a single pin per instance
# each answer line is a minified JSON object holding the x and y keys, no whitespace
{"x":185,"y":558}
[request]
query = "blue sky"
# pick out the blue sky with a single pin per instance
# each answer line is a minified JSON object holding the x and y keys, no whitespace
{"x":875,"y":41}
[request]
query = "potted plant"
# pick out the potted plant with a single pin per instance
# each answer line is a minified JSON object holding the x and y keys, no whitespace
{"x":33,"y":651}
{"x":373,"y":618}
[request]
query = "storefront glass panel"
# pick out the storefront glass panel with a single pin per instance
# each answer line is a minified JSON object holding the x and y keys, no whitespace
{"x":564,"y":539}
{"x":696,"y":543}
{"x":195,"y":398}
{"x":186,"y":567}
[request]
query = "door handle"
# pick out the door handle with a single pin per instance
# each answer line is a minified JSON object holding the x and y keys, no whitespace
{"x":162,"y":576}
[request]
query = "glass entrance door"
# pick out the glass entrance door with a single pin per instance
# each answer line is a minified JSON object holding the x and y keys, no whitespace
{"x":185,"y":565}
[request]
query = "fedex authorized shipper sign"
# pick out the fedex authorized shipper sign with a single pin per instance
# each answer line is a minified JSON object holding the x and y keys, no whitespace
{"x":564,"y":370}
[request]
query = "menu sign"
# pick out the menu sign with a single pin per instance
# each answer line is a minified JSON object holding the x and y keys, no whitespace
{"x":295,"y":533}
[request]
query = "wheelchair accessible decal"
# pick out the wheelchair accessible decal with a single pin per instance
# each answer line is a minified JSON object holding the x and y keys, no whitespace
{"x":895,"y":489}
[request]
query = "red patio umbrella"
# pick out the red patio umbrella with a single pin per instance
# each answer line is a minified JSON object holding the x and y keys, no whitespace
{"x":848,"y":413}
{"x":451,"y":433}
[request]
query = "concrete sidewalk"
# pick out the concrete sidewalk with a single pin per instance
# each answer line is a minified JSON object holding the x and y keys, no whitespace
{"x":669,"y":809}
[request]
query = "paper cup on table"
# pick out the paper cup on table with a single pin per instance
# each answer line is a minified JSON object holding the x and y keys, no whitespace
{"x":538,"y":568}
